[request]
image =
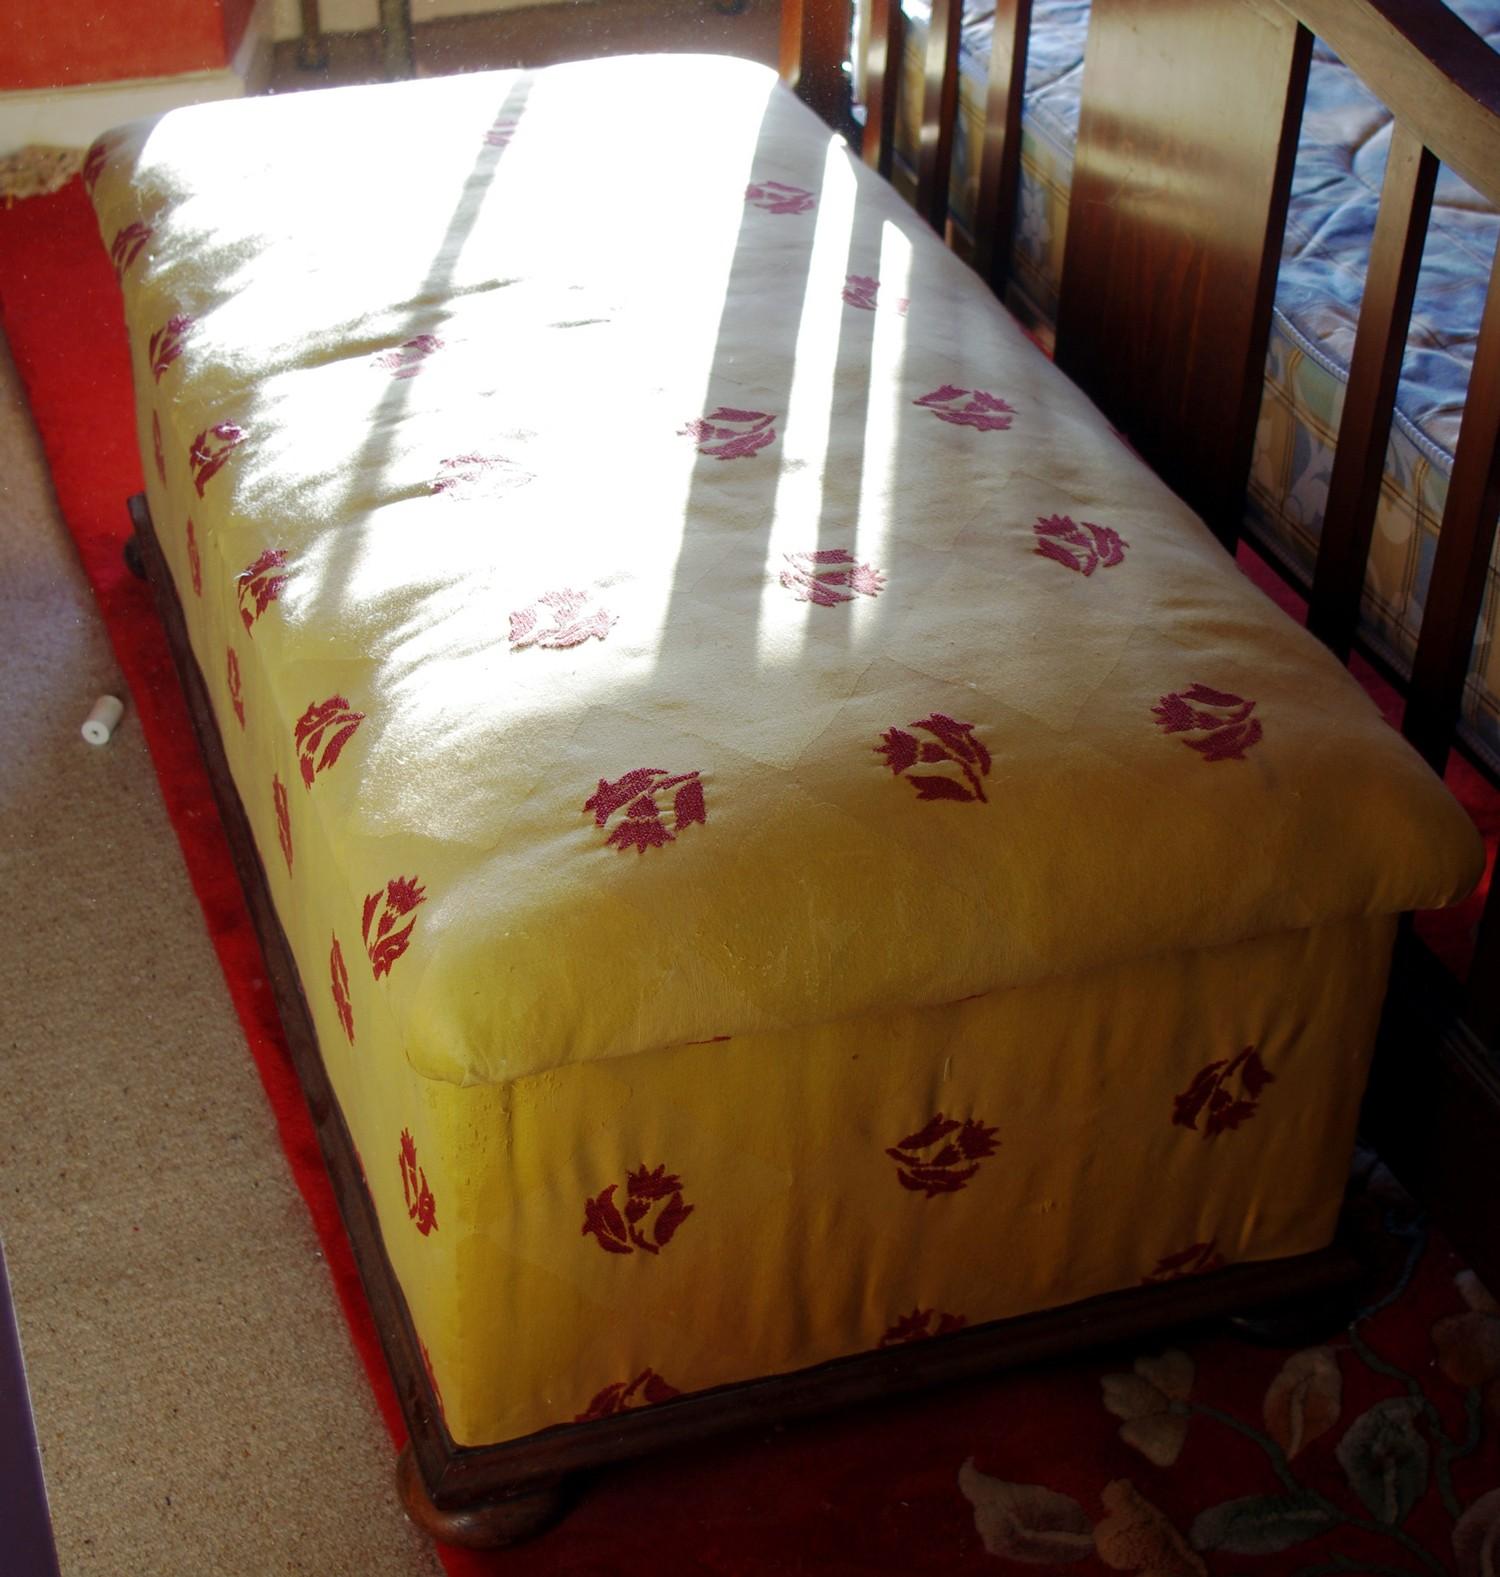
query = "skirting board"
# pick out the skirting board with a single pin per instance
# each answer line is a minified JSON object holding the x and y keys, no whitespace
{"x":72,"y":117}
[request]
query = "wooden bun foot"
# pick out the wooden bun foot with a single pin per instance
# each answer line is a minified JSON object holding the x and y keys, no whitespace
{"x":485,"y":1525}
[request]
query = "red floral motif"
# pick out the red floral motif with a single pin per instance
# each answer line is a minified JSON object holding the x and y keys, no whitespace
{"x":952,"y":741}
{"x":385,"y":943}
{"x":340,"y":978}
{"x":1082,"y":546}
{"x":730,"y":434}
{"x":407,"y":359}
{"x":860,"y":290}
{"x":329,"y":724}
{"x":1212,"y":1093}
{"x":574,"y":620}
{"x":128,"y":245}
{"x":647,"y":1389}
{"x":828,"y":577}
{"x":468,"y":476}
{"x":1228,"y":730}
{"x":165,"y":345}
{"x":932,"y":1160}
{"x":94,"y":162}
{"x":232,"y":667}
{"x":210,"y":449}
{"x":420,"y":1205}
{"x":652,"y":1199}
{"x":260,"y":585}
{"x":156,"y":448}
{"x":283,"y":819}
{"x":500,"y":134}
{"x":988,"y":412}
{"x":636,"y":793}
{"x":195,"y":564}
{"x":1197,"y":1259}
{"x":919,"y":1325}
{"x":776,"y":197}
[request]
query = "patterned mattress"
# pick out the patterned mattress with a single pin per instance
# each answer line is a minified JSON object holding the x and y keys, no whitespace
{"x":1335,"y":194}
{"x":793,"y":839}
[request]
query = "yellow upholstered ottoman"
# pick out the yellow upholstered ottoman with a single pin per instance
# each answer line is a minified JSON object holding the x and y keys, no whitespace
{"x":793,"y":841}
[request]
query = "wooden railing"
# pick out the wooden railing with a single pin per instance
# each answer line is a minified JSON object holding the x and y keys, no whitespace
{"x":1182,"y":174}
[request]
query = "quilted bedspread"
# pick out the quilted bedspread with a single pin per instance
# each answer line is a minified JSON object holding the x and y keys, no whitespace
{"x":662,"y":598}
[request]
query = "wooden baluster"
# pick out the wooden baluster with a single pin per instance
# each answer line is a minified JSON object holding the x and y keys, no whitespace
{"x":395,"y":36}
{"x":814,"y":44}
{"x":1461,"y":566}
{"x":939,"y":112}
{"x":1000,"y":162}
{"x":882,"y":80}
{"x":1374,"y":371}
{"x":1482,"y":1010}
{"x":1186,"y":139}
{"x":312,"y":47}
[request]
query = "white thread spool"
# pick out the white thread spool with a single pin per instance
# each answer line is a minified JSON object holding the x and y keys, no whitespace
{"x":103,"y":720}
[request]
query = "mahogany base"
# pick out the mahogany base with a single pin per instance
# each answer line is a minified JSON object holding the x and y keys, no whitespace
{"x":511,"y":1518}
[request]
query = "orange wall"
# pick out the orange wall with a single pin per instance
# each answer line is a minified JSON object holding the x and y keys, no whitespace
{"x":59,"y":43}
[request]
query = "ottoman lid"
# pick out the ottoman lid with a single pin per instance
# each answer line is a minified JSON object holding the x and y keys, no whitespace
{"x":673,"y":598}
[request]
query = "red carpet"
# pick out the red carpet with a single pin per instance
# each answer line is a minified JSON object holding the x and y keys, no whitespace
{"x":1378,"y":1453}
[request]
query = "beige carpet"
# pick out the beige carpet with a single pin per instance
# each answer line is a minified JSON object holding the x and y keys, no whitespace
{"x":198,"y":1401}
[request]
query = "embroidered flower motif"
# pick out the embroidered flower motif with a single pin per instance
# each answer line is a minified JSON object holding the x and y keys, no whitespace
{"x":1136,"y":1537}
{"x":574,"y":620}
{"x":828,"y":577}
{"x":259,"y":585}
{"x":860,"y":290}
{"x":156,"y":448}
{"x":1197,"y":1259}
{"x":165,"y":345}
{"x":730,"y":434}
{"x":232,"y":668}
{"x":952,"y":741}
{"x":470,"y":476}
{"x":919,"y":1325}
{"x":195,"y":563}
{"x":942,"y":1157}
{"x":128,"y":245}
{"x":653,"y":1199}
{"x":636,"y":793}
{"x":987,"y":412}
{"x":340,"y":979}
{"x":384,"y":943}
{"x":283,"y":819}
{"x":94,"y":162}
{"x":1081,"y":546}
{"x":1226,"y":1093}
{"x":329,"y":724}
{"x":1151,"y":1401}
{"x":776,"y":197}
{"x":646,"y":1390}
{"x":420,"y":1205}
{"x":500,"y":134}
{"x":1228,"y":730}
{"x":210,"y":449}
{"x":407,"y":359}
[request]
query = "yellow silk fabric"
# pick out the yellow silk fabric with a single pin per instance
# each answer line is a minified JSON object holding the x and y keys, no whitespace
{"x":500,"y":418}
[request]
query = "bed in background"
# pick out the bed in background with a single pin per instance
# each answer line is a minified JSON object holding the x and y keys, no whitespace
{"x":1335,"y":193}
{"x":761,"y":810}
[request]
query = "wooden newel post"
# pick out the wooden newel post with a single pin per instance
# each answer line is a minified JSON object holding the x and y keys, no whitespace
{"x":814,"y":48}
